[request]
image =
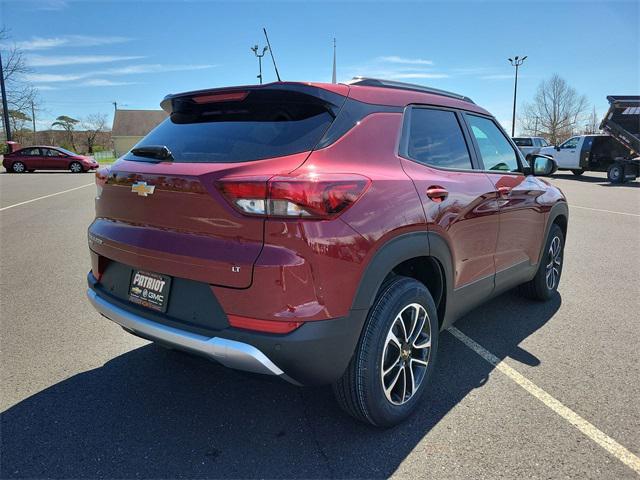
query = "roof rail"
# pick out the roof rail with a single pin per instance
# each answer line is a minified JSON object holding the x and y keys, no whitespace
{"x":377,"y":82}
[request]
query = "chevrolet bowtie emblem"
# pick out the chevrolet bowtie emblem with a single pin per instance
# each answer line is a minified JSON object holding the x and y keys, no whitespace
{"x":142,"y":189}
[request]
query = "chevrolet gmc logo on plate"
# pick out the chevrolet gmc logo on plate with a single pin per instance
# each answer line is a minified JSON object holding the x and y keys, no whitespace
{"x":142,"y":189}
{"x":150,"y":290}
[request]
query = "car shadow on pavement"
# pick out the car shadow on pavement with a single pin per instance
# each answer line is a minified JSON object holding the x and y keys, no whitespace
{"x":153,"y":413}
{"x":601,"y":181}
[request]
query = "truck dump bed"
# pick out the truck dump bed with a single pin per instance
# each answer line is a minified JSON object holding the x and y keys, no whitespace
{"x":622,"y":121}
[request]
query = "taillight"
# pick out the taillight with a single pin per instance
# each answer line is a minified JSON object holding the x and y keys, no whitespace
{"x":308,"y":196}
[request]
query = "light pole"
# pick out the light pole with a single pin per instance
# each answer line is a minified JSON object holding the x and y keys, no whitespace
{"x":515,"y":62}
{"x":255,"y":51}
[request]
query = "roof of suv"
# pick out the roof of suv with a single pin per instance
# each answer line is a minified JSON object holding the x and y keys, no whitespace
{"x":367,"y":90}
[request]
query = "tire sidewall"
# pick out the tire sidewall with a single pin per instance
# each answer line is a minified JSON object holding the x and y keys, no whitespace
{"x":397,"y":295}
{"x":620,"y":171}
{"x":555,"y":231}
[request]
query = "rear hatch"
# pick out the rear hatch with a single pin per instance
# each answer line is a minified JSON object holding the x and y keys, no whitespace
{"x":160,"y":209}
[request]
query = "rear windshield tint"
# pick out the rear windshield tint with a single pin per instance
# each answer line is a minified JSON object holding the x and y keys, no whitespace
{"x":265,"y":124}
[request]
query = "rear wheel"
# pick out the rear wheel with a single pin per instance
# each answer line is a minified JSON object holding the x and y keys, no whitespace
{"x":615,"y":173}
{"x":394,"y":360}
{"x":18,"y":167}
{"x":75,"y":167}
{"x":545,"y":283}
{"x":577,"y":172}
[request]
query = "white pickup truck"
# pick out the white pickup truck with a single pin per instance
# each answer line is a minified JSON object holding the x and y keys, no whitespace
{"x":582,"y":153}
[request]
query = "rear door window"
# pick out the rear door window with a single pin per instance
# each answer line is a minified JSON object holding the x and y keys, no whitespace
{"x":30,"y":152}
{"x":495,"y":150}
{"x":262,"y":125}
{"x":435,"y":138}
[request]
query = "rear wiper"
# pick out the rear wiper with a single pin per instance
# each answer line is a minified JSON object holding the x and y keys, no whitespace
{"x":159,"y":152}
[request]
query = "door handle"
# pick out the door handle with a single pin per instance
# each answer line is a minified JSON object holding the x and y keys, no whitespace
{"x":504,"y":191}
{"x":437,"y":193}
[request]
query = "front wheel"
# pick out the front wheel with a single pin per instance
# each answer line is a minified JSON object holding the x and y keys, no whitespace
{"x":577,"y":173}
{"x":545,"y":284}
{"x":75,"y":167}
{"x":395,"y":357}
{"x":615,"y":173}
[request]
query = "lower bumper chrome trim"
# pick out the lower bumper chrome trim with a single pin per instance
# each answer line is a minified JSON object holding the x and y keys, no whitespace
{"x":230,"y":353}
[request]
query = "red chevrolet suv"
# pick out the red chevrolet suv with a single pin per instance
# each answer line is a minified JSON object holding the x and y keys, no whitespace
{"x":323,"y":233}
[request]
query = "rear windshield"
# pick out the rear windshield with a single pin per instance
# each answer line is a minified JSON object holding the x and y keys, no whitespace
{"x":523,"y":142}
{"x":265,"y":124}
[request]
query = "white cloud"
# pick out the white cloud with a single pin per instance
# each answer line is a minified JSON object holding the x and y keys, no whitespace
{"x":128,"y":70}
{"x":39,"y":43}
{"x":406,"y":76}
{"x":52,"y":77}
{"x":101,"y":82}
{"x":404,"y":60}
{"x":54,"y":61}
{"x":45,"y":87}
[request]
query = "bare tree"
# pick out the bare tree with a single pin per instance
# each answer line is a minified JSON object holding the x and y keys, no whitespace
{"x":21,"y":95}
{"x":556,"y":111}
{"x":68,"y":124}
{"x":593,"y":123}
{"x":94,"y":125}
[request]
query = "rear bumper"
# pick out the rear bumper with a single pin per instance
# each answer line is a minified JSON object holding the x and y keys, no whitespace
{"x":317,"y":353}
{"x":228,"y":352}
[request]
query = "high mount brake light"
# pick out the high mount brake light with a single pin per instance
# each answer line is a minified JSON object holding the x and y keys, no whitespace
{"x":221,"y":97}
{"x":311,"y":196}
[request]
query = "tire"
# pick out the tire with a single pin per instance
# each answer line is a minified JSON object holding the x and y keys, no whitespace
{"x":545,"y":284}
{"x":615,"y":173}
{"x":363,"y":391}
{"x":75,"y":167}
{"x":18,"y":167}
{"x":577,"y":173}
{"x":31,"y":171}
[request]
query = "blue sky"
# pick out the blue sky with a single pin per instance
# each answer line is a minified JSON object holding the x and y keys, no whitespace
{"x":85,"y":55}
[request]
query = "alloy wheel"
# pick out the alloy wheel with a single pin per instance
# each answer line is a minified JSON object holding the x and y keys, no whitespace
{"x":18,"y":167}
{"x":76,"y":167}
{"x":554,"y":263}
{"x":406,"y":354}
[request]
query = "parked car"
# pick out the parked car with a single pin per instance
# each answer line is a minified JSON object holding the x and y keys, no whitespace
{"x":47,"y":158}
{"x":529,"y":145}
{"x":323,"y":233}
{"x":596,"y":153}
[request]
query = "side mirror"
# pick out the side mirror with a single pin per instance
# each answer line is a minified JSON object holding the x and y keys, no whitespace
{"x":542,"y":165}
{"x":557,"y":148}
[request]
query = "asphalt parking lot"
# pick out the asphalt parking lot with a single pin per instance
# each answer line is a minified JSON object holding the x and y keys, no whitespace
{"x":82,"y":399}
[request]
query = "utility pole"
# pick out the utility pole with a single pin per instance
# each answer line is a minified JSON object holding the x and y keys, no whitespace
{"x":5,"y":108}
{"x":33,"y":119}
{"x":115,"y":106}
{"x":333,"y":77}
{"x":255,"y":51}
{"x":515,"y":62}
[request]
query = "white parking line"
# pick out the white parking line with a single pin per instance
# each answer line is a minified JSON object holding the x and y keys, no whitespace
{"x":599,"y":437}
{"x":605,"y":211}
{"x":46,"y":196}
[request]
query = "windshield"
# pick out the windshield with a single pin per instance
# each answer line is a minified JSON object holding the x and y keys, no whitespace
{"x":264,"y":125}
